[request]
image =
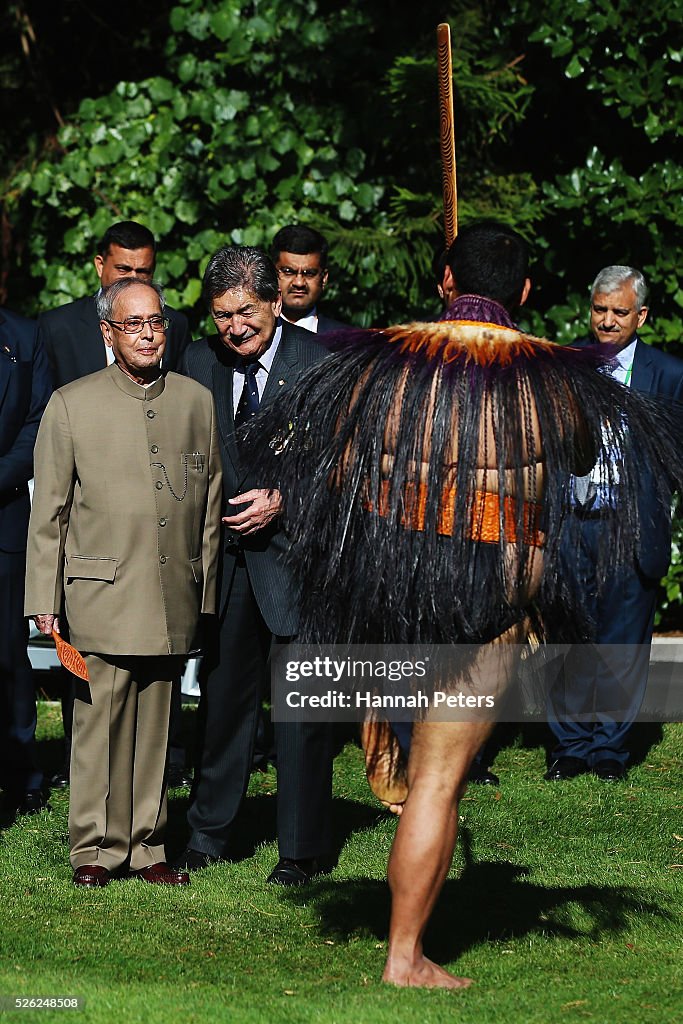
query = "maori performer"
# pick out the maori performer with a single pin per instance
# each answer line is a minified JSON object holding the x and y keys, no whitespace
{"x":425,"y":470}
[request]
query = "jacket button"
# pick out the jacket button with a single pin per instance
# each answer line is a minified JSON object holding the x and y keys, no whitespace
{"x":154,"y":449}
{"x":158,"y":485}
{"x":162,"y":522}
{"x":162,"y":559}
{"x":151,"y":414}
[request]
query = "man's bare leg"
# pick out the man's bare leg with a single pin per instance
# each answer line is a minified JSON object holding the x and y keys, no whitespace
{"x":440,"y":757}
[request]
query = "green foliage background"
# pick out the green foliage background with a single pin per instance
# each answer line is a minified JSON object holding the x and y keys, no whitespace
{"x":232,"y":118}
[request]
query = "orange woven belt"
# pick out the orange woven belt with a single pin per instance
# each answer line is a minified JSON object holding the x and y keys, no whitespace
{"x":485,"y":523}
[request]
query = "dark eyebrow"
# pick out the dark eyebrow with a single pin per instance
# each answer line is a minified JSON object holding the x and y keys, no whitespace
{"x":138,"y":270}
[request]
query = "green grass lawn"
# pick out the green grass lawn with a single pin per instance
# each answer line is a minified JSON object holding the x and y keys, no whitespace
{"x":564,"y":903}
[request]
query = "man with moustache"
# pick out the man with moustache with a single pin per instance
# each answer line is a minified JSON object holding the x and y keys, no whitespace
{"x":124,"y":530}
{"x":254,"y":357}
{"x":300,"y":257}
{"x":623,"y":608}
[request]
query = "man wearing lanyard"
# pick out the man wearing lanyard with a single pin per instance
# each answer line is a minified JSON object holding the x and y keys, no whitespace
{"x":621,"y":608}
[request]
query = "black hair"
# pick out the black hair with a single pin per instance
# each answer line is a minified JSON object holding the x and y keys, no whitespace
{"x":129,"y":235}
{"x":240,"y":266}
{"x":490,"y":259}
{"x":299,"y":239}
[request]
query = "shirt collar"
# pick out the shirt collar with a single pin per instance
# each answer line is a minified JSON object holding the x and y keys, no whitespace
{"x":309,"y":323}
{"x":624,"y":358}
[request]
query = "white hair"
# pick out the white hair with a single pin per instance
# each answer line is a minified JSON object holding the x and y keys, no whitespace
{"x":612,"y":278}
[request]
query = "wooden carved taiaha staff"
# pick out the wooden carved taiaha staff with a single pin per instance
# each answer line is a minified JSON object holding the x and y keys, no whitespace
{"x":446,"y":131}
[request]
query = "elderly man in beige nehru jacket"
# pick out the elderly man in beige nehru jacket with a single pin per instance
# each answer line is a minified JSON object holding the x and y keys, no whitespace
{"x":124,"y":532}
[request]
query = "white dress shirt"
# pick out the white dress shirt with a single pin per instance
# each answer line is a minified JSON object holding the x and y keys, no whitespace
{"x":599,"y":488}
{"x":310,"y":322}
{"x":266,"y":363}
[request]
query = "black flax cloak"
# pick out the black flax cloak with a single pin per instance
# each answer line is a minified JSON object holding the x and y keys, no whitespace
{"x":371,"y":569}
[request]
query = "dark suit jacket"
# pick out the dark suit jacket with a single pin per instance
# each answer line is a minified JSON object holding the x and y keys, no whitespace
{"x":211,"y":363}
{"x":326,"y":324}
{"x":655,"y":373}
{"x":75,"y":347}
{"x":25,"y":387}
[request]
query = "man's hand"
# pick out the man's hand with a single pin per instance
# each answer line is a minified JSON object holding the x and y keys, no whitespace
{"x":264,"y":506}
{"x":46,"y":623}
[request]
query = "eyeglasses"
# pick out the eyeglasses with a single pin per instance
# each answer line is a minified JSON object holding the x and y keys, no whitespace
{"x":135,"y":324}
{"x":308,"y":272}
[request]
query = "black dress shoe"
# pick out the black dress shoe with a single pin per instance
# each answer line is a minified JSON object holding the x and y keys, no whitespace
{"x":60,"y":780}
{"x":565,"y":768}
{"x":482,"y":776}
{"x":194,"y":860}
{"x":178,"y":776}
{"x":33,"y":802}
{"x":610,"y":770}
{"x":294,"y":872}
{"x":162,"y":873}
{"x":91,"y":876}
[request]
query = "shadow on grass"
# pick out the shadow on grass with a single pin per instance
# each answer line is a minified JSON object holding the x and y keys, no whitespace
{"x":491,"y":901}
{"x":256,"y":824}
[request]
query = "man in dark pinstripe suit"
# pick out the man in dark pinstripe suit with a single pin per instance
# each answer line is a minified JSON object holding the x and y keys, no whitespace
{"x":252,"y":358}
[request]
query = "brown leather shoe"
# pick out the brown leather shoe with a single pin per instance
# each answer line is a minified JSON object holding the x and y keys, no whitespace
{"x":162,"y":874}
{"x":91,"y":876}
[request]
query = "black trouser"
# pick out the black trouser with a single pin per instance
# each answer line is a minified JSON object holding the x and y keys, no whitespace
{"x":231,"y":681}
{"x":622,"y":611}
{"x":19,"y":771}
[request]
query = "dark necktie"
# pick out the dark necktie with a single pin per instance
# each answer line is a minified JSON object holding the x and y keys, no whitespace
{"x":249,"y":400}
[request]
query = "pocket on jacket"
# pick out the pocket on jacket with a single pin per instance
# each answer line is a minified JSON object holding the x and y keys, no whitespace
{"x":83,"y":567}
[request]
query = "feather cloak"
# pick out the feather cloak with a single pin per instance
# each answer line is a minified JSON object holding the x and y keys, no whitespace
{"x":426,"y":476}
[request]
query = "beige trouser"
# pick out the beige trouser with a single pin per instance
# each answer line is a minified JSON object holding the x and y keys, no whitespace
{"x":117,"y":810}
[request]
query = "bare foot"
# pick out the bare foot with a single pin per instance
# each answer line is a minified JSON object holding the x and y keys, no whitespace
{"x":421,"y":973}
{"x":385,"y":763}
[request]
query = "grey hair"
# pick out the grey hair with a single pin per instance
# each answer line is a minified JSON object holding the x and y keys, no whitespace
{"x":240,"y":266}
{"x":611,"y":278}
{"x":106,"y":297}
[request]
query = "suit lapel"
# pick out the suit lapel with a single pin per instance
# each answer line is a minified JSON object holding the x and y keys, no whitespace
{"x":285,"y":366}
{"x":643,"y":374}
{"x":222,"y":391}
{"x":282,"y":375}
{"x":91,"y":354}
{"x":6,"y":362}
